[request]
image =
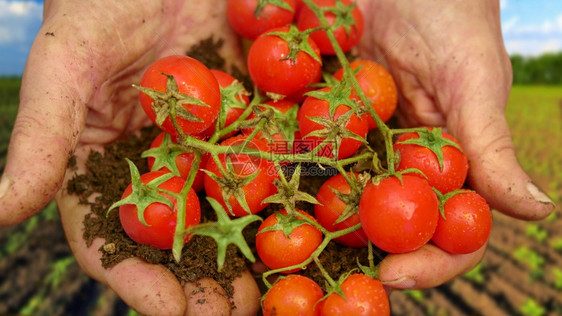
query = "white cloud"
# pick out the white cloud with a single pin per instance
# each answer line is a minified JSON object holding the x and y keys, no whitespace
{"x":551,"y":46}
{"x":533,"y":46}
{"x":559,"y":22}
{"x":510,"y":24}
{"x":10,"y":34}
{"x":18,"y":21}
{"x":503,"y":4}
{"x":20,"y":8}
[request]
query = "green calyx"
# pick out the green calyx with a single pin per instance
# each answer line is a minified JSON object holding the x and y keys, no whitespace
{"x":278,"y":3}
{"x":433,"y":139}
{"x":285,"y":223}
{"x":344,"y":16}
{"x":226,"y":231}
{"x":232,"y":184}
{"x":298,"y":42}
{"x":171,"y":102}
{"x":352,"y":198}
{"x":165,"y":155}
{"x":231,"y":97}
{"x":334,"y":131}
{"x":143,"y":195}
{"x":339,"y":94}
{"x":443,"y":198}
{"x":288,"y":193}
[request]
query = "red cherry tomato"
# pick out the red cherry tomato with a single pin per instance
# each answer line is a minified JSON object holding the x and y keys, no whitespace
{"x":272,"y":70}
{"x":379,"y":87}
{"x":159,"y":217}
{"x":241,"y":16}
{"x":279,"y":251}
{"x":233,"y":105}
{"x":193,"y":79}
{"x":313,"y":107}
{"x":308,"y":20}
{"x":399,"y":217}
{"x":293,"y":295}
{"x":466,"y":226}
{"x":331,"y":209}
{"x":363,"y":296}
{"x":243,"y":166}
{"x":183,"y":162}
{"x":455,"y":162}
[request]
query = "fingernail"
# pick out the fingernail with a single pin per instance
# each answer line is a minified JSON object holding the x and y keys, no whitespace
{"x":402,"y":283}
{"x":5,"y":184}
{"x":538,"y":194}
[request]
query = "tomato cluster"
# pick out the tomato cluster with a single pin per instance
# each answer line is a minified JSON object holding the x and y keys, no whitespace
{"x":244,"y":151}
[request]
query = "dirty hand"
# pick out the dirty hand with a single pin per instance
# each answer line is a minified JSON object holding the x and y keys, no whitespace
{"x":76,"y":94}
{"x":452,"y":70}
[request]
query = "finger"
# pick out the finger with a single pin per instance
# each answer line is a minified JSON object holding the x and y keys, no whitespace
{"x":206,"y":297}
{"x":247,"y":295}
{"x":45,"y":133}
{"x":494,"y":170}
{"x":425,"y":268}
{"x":149,"y":289}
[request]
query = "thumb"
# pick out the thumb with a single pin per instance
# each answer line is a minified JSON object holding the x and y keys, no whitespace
{"x":45,"y":133}
{"x":494,"y":170}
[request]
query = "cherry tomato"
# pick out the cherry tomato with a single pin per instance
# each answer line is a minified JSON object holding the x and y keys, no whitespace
{"x":233,"y":101}
{"x":455,"y":162}
{"x":182,"y":161}
{"x":331,"y":209}
{"x":159,"y":217}
{"x":363,"y":296}
{"x":273,"y":71}
{"x":193,"y":79}
{"x":307,"y":20}
{"x":293,"y":295}
{"x":278,"y":251}
{"x":466,"y":226}
{"x":397,"y":216}
{"x":241,"y":16}
{"x":243,"y":166}
{"x":313,"y":107}
{"x":379,"y":87}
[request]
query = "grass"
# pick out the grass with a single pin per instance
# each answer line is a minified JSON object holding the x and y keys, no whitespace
{"x":9,"y":100}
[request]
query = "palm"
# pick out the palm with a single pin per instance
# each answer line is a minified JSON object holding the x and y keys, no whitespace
{"x":106,"y":108}
{"x":124,"y":50}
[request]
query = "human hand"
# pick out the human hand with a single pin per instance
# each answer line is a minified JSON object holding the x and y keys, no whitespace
{"x":76,"y":95}
{"x":452,"y":70}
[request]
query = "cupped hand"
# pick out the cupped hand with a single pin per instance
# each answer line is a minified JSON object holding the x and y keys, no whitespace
{"x":451,"y":67}
{"x":76,"y":94}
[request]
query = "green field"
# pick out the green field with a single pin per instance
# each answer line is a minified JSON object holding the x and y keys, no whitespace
{"x":534,"y":114}
{"x":531,"y":252}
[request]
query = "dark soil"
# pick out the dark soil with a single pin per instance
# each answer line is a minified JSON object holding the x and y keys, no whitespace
{"x":108,"y":175}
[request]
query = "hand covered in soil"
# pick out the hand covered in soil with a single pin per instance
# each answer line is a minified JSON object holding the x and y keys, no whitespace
{"x":452,"y":70}
{"x":76,"y":95}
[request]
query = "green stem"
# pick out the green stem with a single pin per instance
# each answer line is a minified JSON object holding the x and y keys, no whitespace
{"x":348,"y":75}
{"x":180,"y":230}
{"x":325,"y":273}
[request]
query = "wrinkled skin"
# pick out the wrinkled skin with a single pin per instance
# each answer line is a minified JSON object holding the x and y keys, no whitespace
{"x":447,"y":57}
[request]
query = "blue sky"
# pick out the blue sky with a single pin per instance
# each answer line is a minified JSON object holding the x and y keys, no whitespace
{"x":530,"y":27}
